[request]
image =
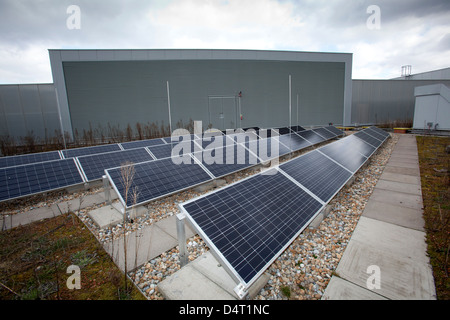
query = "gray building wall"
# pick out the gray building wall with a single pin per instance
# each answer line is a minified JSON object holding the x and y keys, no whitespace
{"x":120,"y":87}
{"x":28,"y":109}
{"x":126,"y":92}
{"x":383,"y":101}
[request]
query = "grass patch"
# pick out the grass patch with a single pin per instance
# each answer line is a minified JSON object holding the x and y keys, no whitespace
{"x":435,"y":179}
{"x":34,"y":261}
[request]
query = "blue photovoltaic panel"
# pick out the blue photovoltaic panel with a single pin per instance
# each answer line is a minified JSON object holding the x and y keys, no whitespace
{"x":318,"y":174}
{"x":78,"y":152}
{"x":180,"y":138}
{"x":380,"y":131}
{"x":358,"y":145}
{"x":213,"y":142}
{"x":174,"y":149}
{"x":12,"y":161}
{"x":223,"y":161}
{"x":344,"y":153}
{"x":94,"y":165}
{"x":283,"y":130}
{"x":297,"y":128}
{"x":158,"y":178}
{"x":25,"y":180}
{"x":267,"y":149}
{"x":368,"y":138}
{"x":251,"y":222}
{"x":311,"y":136}
{"x":335,"y":130}
{"x":142,"y":143}
{"x":327,"y":135}
{"x":377,"y":134}
{"x":294,"y":142}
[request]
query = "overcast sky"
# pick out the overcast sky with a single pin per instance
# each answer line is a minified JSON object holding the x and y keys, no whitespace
{"x":402,"y":32}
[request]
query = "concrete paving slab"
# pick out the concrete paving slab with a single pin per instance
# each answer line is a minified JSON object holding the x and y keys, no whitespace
{"x":169,"y":226}
{"x":399,"y":187}
{"x":400,"y":170}
{"x":390,"y":176}
{"x":401,"y":164}
{"x":401,"y":216}
{"x":341,"y":289}
{"x":397,"y":198}
{"x":142,"y":246}
{"x":390,"y":238}
{"x":190,"y":284}
{"x":106,"y":216}
{"x":404,"y":159}
{"x":400,"y":277}
{"x":194,"y":281}
{"x":31,"y":216}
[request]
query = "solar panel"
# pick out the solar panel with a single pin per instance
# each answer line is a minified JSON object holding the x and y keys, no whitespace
{"x":335,"y":130}
{"x":224,"y":161}
{"x":359,"y":145}
{"x":380,"y":131}
{"x":142,"y":143}
{"x":294,"y":142}
{"x":78,"y":152}
{"x":283,"y":130}
{"x":93,"y":166}
{"x":368,"y":138}
{"x":267,"y":149}
{"x":179,"y":138}
{"x":157,"y":178}
{"x":25,"y":180}
{"x":297,"y":128}
{"x":174,"y":149}
{"x":12,"y":161}
{"x":342,"y":152}
{"x":327,"y":135}
{"x":311,"y":136}
{"x":251,"y":222}
{"x":218,"y":141}
{"x":379,"y":135}
{"x":318,"y":174}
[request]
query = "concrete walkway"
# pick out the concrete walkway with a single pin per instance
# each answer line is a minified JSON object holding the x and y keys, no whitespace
{"x":386,"y":255}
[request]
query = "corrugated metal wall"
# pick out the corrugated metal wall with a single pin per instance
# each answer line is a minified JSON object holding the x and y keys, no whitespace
{"x":28,"y":109}
{"x":384,"y":101}
{"x":126,"y":92}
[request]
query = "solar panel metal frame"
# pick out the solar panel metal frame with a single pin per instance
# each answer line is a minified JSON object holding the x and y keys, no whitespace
{"x":51,"y":189}
{"x":219,"y":256}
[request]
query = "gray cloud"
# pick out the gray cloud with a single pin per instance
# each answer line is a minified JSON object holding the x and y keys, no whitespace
{"x":411,"y":30}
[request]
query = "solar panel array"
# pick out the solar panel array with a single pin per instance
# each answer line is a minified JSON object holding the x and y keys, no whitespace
{"x":205,"y":159}
{"x":248,"y":224}
{"x":89,"y":163}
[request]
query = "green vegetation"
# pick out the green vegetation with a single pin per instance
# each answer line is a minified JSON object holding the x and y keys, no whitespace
{"x":435,"y":179}
{"x":34,"y":261}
